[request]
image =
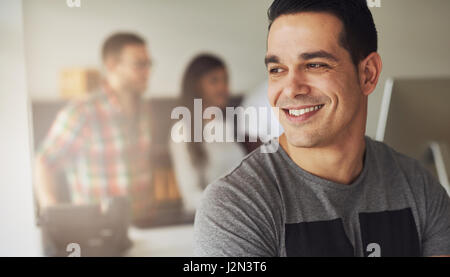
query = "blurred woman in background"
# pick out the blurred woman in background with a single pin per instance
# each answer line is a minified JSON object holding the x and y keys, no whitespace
{"x":197,"y":164}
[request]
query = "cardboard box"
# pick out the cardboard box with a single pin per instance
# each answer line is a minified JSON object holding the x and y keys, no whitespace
{"x":79,"y":82}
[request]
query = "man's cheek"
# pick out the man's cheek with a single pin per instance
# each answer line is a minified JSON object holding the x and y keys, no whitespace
{"x":271,"y":96}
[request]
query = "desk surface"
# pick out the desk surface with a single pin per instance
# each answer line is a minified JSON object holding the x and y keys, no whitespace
{"x":171,"y":241}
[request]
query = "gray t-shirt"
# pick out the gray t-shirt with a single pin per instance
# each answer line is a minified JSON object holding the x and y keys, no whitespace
{"x":268,"y":206}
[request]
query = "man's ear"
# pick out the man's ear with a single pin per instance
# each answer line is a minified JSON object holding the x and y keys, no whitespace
{"x":369,"y":72}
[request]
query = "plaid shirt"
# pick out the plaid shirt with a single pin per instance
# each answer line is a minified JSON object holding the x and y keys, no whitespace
{"x":102,"y":153}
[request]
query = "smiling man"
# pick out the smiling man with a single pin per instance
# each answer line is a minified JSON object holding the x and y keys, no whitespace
{"x":324,"y":189}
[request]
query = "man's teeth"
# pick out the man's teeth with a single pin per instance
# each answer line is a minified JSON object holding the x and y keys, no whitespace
{"x":303,"y":111}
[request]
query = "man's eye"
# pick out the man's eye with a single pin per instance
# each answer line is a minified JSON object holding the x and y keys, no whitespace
{"x":316,"y":65}
{"x":275,"y":70}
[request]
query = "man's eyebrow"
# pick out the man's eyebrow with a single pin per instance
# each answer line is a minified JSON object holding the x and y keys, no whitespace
{"x":305,"y":56}
{"x":271,"y":59}
{"x":318,"y":54}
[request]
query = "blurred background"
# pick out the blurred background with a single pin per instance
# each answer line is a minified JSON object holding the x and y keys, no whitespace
{"x":49,"y":48}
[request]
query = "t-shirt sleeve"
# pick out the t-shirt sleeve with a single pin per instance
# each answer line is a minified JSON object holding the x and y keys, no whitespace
{"x":64,"y":140}
{"x":436,"y":239}
{"x":232,"y":222}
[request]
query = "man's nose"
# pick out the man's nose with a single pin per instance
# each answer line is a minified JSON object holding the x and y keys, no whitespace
{"x":296,"y":84}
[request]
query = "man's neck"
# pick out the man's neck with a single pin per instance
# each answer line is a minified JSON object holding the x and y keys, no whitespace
{"x":340,"y":162}
{"x":128,"y":101}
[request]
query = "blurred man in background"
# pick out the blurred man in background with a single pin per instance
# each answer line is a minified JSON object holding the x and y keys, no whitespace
{"x":101,"y":144}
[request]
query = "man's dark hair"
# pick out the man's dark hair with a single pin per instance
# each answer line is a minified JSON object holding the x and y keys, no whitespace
{"x":359,"y":36}
{"x":114,"y":44}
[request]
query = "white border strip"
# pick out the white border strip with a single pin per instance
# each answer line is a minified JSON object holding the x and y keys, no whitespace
{"x":385,"y":103}
{"x":440,"y":165}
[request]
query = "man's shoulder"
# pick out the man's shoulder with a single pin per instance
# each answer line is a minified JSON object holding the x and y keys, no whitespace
{"x":255,"y":163}
{"x":389,"y":156}
{"x":82,"y":106}
{"x":251,"y":188}
{"x":254,"y":172}
{"x":392,"y":162}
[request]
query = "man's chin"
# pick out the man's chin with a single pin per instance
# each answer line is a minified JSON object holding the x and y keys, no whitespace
{"x":302,"y":140}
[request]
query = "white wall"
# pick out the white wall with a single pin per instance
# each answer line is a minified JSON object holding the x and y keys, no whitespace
{"x":18,"y":233}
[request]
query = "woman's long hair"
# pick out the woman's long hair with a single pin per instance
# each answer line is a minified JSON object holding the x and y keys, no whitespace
{"x":190,"y":90}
